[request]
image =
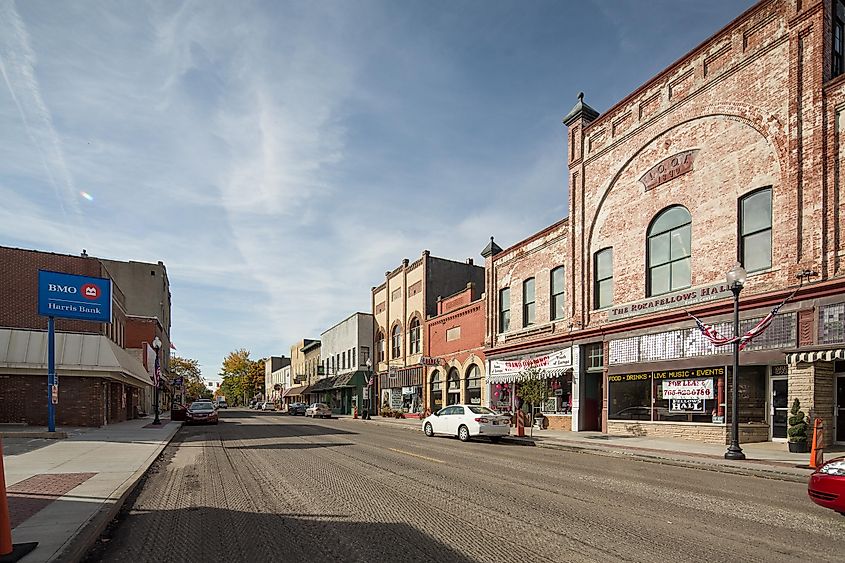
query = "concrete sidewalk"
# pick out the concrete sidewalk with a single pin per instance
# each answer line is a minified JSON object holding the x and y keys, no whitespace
{"x":766,"y":459}
{"x":64,"y":494}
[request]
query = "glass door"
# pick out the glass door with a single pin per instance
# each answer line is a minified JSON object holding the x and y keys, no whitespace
{"x":780,"y":407}
{"x":840,"y":409}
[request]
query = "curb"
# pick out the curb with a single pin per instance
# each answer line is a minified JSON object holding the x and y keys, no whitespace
{"x":78,"y":545}
{"x":761,"y":472}
{"x":57,"y":435}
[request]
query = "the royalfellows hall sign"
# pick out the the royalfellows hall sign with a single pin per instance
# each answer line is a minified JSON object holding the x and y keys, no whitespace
{"x":684,"y":298}
{"x":669,"y":169}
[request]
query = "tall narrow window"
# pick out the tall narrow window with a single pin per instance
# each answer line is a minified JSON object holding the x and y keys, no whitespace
{"x":556,"y":300}
{"x":838,"y":47}
{"x":504,"y":309}
{"x":396,"y":342}
{"x":528,"y":302}
{"x":755,"y":230}
{"x":415,"y":336}
{"x":603,"y":268}
{"x":380,"y":346}
{"x":669,"y":241}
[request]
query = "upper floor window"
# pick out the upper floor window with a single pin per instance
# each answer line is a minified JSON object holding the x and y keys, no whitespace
{"x":603,"y":268}
{"x":755,"y":230}
{"x":838,"y":47}
{"x":396,"y":342}
{"x":669,"y":241}
{"x":528,"y":302}
{"x":504,"y":309}
{"x":415,"y":336}
{"x":380,"y":346}
{"x":556,"y":298}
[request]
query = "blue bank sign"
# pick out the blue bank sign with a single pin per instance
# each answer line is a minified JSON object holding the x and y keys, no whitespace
{"x":74,"y":297}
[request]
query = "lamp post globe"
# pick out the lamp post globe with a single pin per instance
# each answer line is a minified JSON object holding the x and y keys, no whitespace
{"x":735,"y":277}
{"x":157,"y":348}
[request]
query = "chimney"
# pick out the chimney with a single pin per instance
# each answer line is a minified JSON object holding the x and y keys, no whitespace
{"x":469,"y":261}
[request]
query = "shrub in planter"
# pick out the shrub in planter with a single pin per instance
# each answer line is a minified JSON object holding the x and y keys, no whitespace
{"x":797,"y":431}
{"x":386,"y":412}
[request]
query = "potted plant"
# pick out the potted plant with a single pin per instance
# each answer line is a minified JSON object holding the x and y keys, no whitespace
{"x":797,"y":431}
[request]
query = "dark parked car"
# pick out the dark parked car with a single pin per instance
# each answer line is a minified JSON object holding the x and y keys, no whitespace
{"x":201,"y":412}
{"x":297,"y":408}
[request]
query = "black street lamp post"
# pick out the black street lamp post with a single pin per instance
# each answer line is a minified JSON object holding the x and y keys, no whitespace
{"x":736,"y":279}
{"x":157,"y":377}
{"x":366,"y":414}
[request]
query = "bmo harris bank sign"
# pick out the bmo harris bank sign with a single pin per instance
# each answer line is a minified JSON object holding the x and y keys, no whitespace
{"x":74,"y":297}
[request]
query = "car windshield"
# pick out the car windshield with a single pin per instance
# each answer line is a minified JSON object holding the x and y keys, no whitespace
{"x":480,"y":410}
{"x":202,"y":407}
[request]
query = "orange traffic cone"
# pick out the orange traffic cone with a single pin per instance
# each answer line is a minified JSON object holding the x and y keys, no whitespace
{"x":8,"y":551}
{"x":817,"y":453}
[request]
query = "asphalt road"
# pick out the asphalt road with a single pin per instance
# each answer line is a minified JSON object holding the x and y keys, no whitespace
{"x":268,"y":487}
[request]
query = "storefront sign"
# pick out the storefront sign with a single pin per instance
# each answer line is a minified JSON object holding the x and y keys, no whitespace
{"x":70,"y":296}
{"x":396,"y":399}
{"x":780,"y":370}
{"x":429,"y":361}
{"x":672,"y":377}
{"x":688,"y":389}
{"x":669,"y":169}
{"x":686,"y":405}
{"x":684,"y":298}
{"x":508,"y":370}
{"x":690,"y":373}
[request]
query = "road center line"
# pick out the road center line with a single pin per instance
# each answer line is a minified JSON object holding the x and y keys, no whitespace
{"x":416,"y":455}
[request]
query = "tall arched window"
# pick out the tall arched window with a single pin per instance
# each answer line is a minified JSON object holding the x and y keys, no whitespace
{"x":669,"y":242}
{"x":453,"y":387}
{"x":473,"y":385}
{"x":415,"y":336}
{"x":396,"y":342}
{"x":380,"y":346}
{"x":435,"y":395}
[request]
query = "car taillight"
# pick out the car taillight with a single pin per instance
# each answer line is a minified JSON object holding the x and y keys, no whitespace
{"x":482,"y":420}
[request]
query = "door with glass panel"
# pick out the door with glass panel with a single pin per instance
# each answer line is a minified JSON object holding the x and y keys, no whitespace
{"x":780,"y":407}
{"x":840,"y":409}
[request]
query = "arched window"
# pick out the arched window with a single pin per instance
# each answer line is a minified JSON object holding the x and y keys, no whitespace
{"x":669,"y":241}
{"x":415,"y":336}
{"x":473,"y":385}
{"x":396,"y":342}
{"x":380,"y":346}
{"x":453,"y":387}
{"x":435,"y":396}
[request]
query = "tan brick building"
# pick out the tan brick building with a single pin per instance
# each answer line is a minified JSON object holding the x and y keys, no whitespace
{"x":401,"y":306}
{"x":731,"y":154}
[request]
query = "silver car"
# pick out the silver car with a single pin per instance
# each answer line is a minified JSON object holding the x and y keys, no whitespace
{"x":319,"y":409}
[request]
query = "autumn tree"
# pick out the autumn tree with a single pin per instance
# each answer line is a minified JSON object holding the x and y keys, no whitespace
{"x":189,"y":370}
{"x":242,"y":377}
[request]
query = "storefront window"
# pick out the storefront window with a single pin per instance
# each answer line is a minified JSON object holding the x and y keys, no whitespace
{"x":473,"y":385}
{"x":453,"y":387}
{"x":435,"y":396}
{"x":560,"y":395}
{"x":411,"y":399}
{"x":751,"y":393}
{"x":629,"y":396}
{"x":501,"y":397}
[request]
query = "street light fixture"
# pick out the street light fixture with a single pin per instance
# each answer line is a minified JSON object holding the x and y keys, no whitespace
{"x":736,"y":279}
{"x":157,"y":377}
{"x":366,"y":414}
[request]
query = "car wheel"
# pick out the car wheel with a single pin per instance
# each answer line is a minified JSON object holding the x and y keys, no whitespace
{"x":429,"y":431}
{"x":495,"y":439}
{"x":463,"y":433}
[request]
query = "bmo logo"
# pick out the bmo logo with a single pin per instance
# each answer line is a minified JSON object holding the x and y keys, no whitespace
{"x":90,"y":291}
{"x":68,"y":289}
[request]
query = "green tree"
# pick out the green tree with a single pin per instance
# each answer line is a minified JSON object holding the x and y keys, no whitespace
{"x":533,"y":389}
{"x":189,"y":370}
{"x":243,"y":378}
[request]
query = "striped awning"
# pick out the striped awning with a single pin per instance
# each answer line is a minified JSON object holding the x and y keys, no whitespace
{"x":816,"y":356}
{"x":514,"y":377}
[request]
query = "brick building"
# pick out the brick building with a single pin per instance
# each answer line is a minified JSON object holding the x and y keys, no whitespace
{"x":454,"y":351}
{"x":401,"y":306}
{"x":731,"y":154}
{"x":99,"y":381}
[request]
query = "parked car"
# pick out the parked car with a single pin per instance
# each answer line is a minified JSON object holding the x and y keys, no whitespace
{"x":319,"y":409}
{"x":467,"y":421}
{"x":222,"y":405}
{"x":827,"y":485}
{"x":297,"y":408}
{"x":267,"y":406}
{"x":201,"y":412}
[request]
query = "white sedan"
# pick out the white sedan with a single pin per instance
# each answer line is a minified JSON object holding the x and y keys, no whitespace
{"x":467,"y":421}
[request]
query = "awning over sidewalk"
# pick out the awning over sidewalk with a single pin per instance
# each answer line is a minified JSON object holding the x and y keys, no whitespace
{"x":811,"y":356}
{"x":79,"y":355}
{"x":322,"y":385}
{"x":294,"y":391}
{"x":516,"y":377}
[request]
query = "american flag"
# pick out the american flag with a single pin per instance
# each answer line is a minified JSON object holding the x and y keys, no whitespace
{"x":157,"y":371}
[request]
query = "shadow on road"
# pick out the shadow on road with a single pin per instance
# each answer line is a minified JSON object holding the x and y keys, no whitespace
{"x":288,"y":446}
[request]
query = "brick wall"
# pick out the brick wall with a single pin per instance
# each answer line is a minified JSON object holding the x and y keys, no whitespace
{"x":25,"y":400}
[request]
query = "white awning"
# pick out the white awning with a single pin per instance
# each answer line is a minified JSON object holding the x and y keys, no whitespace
{"x":515,"y":377}
{"x":79,"y":355}
{"x":816,"y":356}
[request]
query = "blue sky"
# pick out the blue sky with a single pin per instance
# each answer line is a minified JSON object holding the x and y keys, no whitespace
{"x":279,"y":157}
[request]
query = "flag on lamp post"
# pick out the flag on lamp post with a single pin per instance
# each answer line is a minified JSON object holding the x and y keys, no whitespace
{"x":157,"y":372}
